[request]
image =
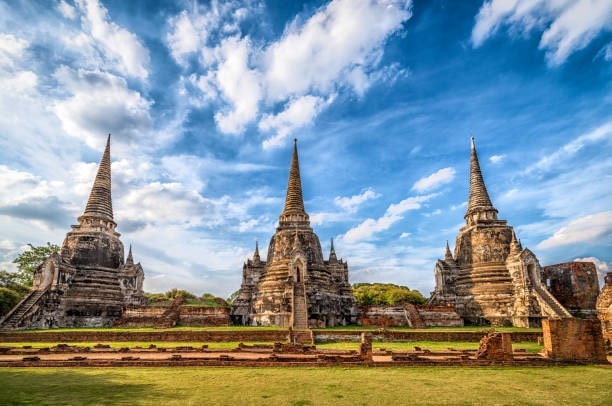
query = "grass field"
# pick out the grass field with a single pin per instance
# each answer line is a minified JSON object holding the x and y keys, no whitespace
{"x":585,"y":385}
{"x":392,"y":346}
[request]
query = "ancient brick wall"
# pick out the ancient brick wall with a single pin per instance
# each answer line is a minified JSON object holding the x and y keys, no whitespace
{"x":574,"y":285}
{"x":573,"y":339}
{"x":604,"y":308}
{"x":398,"y":316}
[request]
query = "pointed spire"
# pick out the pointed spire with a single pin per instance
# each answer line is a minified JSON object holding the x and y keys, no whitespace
{"x":100,"y":204}
{"x":130,"y":258}
{"x":515,"y":245}
{"x":479,"y":201}
{"x":256,"y":257}
{"x":332,"y":252}
{"x":448,"y":256}
{"x":294,"y":202}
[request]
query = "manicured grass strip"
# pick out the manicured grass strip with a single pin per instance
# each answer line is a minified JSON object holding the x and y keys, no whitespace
{"x":388,"y":345}
{"x":144,"y":344}
{"x":428,"y":345}
{"x":307,"y":386}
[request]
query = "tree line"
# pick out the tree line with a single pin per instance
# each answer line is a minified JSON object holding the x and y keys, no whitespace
{"x":14,"y":286}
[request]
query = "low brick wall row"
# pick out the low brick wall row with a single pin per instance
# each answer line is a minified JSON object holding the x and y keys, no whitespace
{"x":145,"y":336}
{"x":418,"y":335}
{"x":263,"y":335}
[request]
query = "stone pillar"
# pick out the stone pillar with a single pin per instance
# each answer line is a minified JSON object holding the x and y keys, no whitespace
{"x":365,"y":347}
{"x":573,"y":340}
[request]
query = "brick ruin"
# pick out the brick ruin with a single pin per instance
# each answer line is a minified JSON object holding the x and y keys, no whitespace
{"x":604,"y":308}
{"x":295,"y":287}
{"x":574,"y":285}
{"x":490,"y":278}
{"x":86,"y":283}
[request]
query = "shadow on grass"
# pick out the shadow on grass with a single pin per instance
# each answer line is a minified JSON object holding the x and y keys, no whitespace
{"x":41,"y":386}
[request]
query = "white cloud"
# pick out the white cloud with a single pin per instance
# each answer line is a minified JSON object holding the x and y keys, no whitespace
{"x":298,"y":75}
{"x":351,"y":204}
{"x":567,"y":25}
{"x":11,"y":49}
{"x":238,"y":84}
{"x":601,"y":133}
{"x":118,"y":44}
{"x":495,"y":159}
{"x":332,"y":45}
{"x":184,"y":37}
{"x":438,"y":178}
{"x":589,"y":229}
{"x":298,"y":113}
{"x":66,"y":10}
{"x":101,"y":103}
{"x":393,"y":214}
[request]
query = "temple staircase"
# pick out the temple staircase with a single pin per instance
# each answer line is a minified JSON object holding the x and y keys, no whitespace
{"x":300,"y":307}
{"x":413,"y":316}
{"x":549,"y":305}
{"x":12,"y":319}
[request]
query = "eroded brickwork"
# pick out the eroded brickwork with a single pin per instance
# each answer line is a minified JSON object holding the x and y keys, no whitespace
{"x":573,"y":339}
{"x":574,"y":285}
{"x":604,"y":308}
{"x":87,"y":283}
{"x":490,"y":278}
{"x":295,"y":286}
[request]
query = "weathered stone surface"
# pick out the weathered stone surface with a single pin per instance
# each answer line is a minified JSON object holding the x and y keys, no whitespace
{"x":495,"y":346}
{"x":87,"y":283}
{"x":573,"y":339}
{"x":574,"y":285}
{"x":294,"y":286}
{"x":420,"y":316}
{"x":491,"y":279}
{"x":604,"y":308}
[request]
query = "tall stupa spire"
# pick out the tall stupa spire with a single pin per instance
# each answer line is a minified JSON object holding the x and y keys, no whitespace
{"x":100,"y":204}
{"x":332,"y":252}
{"x":294,"y":202}
{"x":479,"y":204}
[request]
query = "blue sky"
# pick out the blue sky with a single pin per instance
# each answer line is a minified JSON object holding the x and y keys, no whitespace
{"x":203,"y":100}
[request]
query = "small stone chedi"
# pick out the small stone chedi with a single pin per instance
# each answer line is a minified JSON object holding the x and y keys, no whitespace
{"x":87,"y":283}
{"x":491,"y":278}
{"x":295,"y":287}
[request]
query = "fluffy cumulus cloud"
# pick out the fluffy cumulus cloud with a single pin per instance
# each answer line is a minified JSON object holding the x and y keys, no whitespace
{"x":591,"y":229}
{"x":284,"y":84}
{"x":298,"y":113}
{"x":120,"y":47}
{"x":567,"y":26}
{"x":394,"y":213}
{"x":436,"y":179}
{"x":100,"y":103}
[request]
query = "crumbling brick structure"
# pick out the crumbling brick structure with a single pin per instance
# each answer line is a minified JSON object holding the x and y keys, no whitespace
{"x":574,"y":285}
{"x":604,"y":308}
{"x":295,"y":287}
{"x":87,"y":283}
{"x":490,"y":278}
{"x":573,"y":339}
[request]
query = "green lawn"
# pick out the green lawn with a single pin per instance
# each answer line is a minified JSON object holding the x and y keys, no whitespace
{"x":585,"y":385}
{"x":388,"y":345}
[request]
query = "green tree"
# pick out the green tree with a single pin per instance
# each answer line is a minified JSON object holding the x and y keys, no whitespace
{"x":232,"y":297}
{"x":8,"y":299}
{"x":385,"y":294}
{"x":174,"y":293}
{"x":30,"y":259}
